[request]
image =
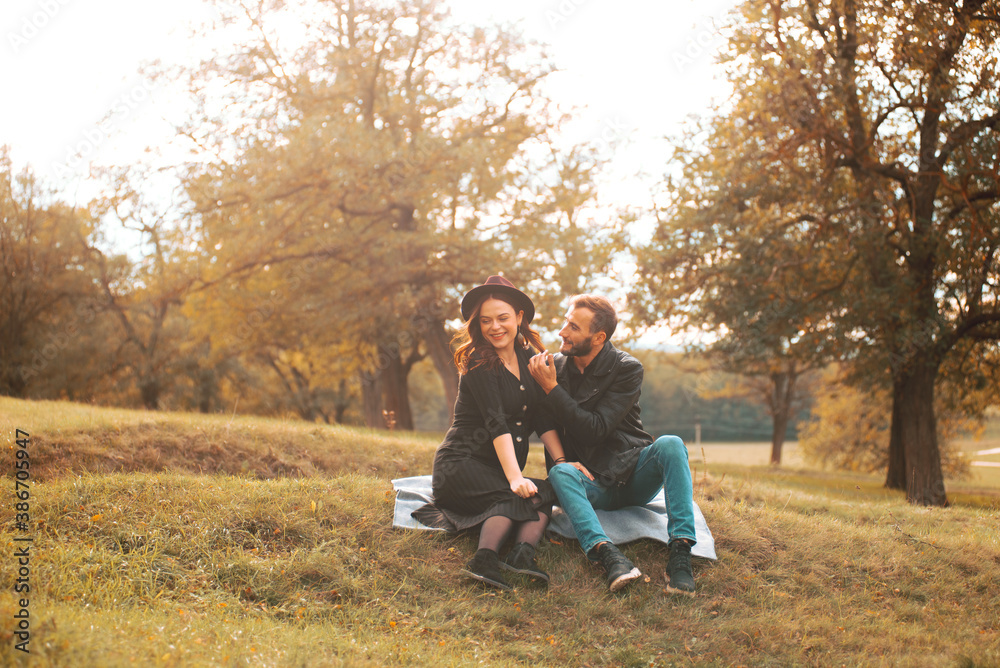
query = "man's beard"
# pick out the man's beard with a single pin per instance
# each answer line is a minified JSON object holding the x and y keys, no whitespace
{"x":580,"y":349}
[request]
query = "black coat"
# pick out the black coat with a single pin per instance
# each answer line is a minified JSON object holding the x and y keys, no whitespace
{"x":599,"y":425}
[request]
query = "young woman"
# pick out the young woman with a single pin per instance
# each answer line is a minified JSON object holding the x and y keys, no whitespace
{"x":478,"y":478}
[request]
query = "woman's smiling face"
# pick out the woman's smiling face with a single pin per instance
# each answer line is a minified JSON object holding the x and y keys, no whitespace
{"x":499,"y":323}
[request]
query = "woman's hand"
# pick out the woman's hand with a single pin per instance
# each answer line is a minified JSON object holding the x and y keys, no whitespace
{"x":523,"y":487}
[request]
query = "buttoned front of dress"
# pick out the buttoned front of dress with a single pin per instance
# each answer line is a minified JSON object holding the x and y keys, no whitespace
{"x":468,"y":477}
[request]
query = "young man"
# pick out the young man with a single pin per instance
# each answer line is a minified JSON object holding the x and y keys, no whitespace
{"x":592,"y":390}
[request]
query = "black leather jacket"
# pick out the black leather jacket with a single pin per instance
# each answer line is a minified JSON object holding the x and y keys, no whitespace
{"x":599,"y":426}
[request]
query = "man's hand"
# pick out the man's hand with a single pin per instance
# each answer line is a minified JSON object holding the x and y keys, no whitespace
{"x":542,"y":368}
{"x":579,"y":467}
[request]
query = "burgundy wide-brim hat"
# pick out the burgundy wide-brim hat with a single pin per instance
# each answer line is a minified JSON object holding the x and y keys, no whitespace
{"x":497,"y":285}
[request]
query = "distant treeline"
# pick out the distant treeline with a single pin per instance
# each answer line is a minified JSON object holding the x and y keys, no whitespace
{"x":677,"y":396}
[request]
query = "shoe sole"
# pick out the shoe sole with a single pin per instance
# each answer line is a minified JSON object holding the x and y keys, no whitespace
{"x":534,"y":575}
{"x":486,"y":580}
{"x":675,"y":590}
{"x":624,"y":580}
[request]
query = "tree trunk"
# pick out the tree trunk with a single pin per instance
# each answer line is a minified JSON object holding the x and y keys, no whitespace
{"x":913,"y":409}
{"x":150,"y":389}
{"x":778,"y":438}
{"x":207,"y":389}
{"x":371,"y":399}
{"x":782,"y":396}
{"x":341,"y":402}
{"x":895,"y":477}
{"x":305,"y":402}
{"x":13,"y":380}
{"x":395,"y":393}
{"x":439,"y":348}
{"x":385,"y":389}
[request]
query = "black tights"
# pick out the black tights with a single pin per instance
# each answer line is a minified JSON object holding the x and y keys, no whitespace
{"x":496,"y":529}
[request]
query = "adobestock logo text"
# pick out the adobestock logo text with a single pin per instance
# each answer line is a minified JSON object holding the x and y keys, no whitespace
{"x":33,"y":23}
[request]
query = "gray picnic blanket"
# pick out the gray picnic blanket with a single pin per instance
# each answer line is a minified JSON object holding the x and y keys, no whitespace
{"x":622,"y":526}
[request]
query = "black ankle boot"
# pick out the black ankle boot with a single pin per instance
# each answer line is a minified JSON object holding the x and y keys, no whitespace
{"x":680,"y":580}
{"x":485,"y":567}
{"x":521,"y":559}
{"x":621,"y":571}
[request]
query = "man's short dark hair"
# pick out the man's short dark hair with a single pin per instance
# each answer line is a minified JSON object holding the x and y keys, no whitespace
{"x":605,"y":319}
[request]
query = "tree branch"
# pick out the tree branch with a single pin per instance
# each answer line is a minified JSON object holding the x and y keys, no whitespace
{"x":972,"y":327}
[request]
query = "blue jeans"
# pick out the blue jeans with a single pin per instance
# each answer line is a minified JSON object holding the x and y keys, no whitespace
{"x":662,"y":465}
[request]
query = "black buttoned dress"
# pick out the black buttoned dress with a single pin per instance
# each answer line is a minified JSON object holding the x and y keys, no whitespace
{"x":468,"y":482}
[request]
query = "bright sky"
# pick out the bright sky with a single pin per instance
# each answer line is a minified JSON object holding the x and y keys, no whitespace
{"x":68,"y":69}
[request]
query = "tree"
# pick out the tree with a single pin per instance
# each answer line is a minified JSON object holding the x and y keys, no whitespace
{"x":849,"y":427}
{"x":46,"y":288}
{"x":144,"y":297}
{"x":383,"y":143}
{"x":781,"y":386}
{"x":684,"y":394}
{"x":266,"y":322}
{"x":850,"y":194}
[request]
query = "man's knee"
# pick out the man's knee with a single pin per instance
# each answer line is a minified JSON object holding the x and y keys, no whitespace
{"x":563,"y":475}
{"x":671,"y":448}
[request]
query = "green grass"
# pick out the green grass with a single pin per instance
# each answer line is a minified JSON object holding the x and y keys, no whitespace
{"x":163,"y":562}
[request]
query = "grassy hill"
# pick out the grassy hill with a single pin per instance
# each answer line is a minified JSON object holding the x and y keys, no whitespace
{"x":182,"y":540}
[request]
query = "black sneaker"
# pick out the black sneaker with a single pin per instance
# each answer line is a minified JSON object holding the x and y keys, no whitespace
{"x":620,"y":570}
{"x":679,"y":577}
{"x":521,"y":559}
{"x":485,"y":567}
